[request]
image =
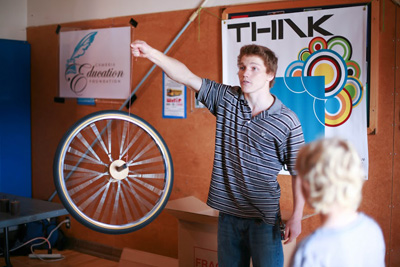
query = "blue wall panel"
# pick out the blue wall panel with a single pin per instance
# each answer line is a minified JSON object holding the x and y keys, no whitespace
{"x":15,"y":118}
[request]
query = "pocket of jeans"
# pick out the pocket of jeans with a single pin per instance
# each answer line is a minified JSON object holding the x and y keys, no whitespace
{"x":222,"y":217}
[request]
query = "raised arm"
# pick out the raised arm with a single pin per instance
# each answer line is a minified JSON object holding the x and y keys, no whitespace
{"x":175,"y":69}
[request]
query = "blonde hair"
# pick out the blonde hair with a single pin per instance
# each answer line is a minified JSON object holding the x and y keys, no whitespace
{"x":333,"y":171}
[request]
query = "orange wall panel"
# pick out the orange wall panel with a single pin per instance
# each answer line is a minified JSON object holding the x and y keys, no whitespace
{"x":191,"y":140}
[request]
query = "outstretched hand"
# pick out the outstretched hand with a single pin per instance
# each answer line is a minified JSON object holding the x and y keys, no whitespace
{"x":140,"y":49}
{"x":175,"y":69}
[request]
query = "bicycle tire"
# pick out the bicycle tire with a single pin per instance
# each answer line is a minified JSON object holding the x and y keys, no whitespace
{"x":113,"y":172}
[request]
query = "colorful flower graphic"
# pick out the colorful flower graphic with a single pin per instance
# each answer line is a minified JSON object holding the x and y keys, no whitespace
{"x":332,"y":60}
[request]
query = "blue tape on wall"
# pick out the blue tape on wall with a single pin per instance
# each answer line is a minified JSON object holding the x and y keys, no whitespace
{"x":86,"y":101}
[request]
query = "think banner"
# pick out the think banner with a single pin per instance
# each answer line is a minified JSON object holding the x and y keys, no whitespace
{"x":322,"y":66}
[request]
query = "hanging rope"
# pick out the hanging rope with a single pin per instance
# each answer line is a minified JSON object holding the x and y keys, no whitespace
{"x":198,"y":35}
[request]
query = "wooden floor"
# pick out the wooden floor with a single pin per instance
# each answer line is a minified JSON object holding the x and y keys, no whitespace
{"x":71,"y":259}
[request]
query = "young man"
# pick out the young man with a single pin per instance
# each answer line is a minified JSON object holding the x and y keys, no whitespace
{"x":332,"y":179}
{"x":255,"y":136}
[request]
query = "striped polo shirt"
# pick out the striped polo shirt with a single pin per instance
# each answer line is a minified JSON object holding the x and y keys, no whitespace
{"x":249,"y":152}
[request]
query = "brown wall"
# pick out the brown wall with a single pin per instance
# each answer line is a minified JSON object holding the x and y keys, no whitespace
{"x":191,"y":140}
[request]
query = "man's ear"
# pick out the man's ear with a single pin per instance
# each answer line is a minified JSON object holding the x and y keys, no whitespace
{"x":270,"y":76}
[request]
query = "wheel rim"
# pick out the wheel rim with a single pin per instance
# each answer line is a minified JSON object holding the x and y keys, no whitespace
{"x":114,"y":172}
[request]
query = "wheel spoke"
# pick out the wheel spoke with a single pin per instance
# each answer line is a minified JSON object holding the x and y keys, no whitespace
{"x":133,"y":141}
{"x":127,"y":211}
{"x":143,"y":203}
{"x":88,"y":147}
{"x":99,"y":208}
{"x":78,"y":188}
{"x":100,"y":139}
{"x":91,"y":197}
{"x":79,"y":179}
{"x":116,"y":206}
{"x":109,"y":139}
{"x":87,"y":193}
{"x":81,"y":156}
{"x":147,"y":185}
{"x":123,"y":138}
{"x":142,"y":152}
{"x":146,"y":161}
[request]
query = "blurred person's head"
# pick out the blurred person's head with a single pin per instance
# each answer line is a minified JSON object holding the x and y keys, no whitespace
{"x":331,"y":174}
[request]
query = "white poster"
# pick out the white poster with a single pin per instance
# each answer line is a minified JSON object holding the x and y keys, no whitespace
{"x":95,"y":63}
{"x":322,"y":67}
{"x":174,"y":98}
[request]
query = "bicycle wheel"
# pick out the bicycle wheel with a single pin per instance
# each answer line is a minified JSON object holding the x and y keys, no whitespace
{"x":113,"y":172}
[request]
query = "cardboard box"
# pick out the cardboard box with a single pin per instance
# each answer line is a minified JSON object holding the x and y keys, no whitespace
{"x":136,"y":258}
{"x":197,"y":241}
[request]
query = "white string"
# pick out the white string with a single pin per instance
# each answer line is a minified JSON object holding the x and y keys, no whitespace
{"x":46,"y":240}
{"x":130,"y":87}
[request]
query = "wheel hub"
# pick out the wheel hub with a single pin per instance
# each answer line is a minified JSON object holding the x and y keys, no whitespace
{"x":118,"y":169}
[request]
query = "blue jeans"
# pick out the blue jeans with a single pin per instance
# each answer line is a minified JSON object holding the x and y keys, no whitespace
{"x":240,"y":239}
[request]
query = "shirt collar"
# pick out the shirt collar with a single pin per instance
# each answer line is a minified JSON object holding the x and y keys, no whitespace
{"x":276,"y":107}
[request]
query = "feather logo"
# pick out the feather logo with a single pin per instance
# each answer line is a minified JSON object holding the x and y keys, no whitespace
{"x":79,"y":51}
